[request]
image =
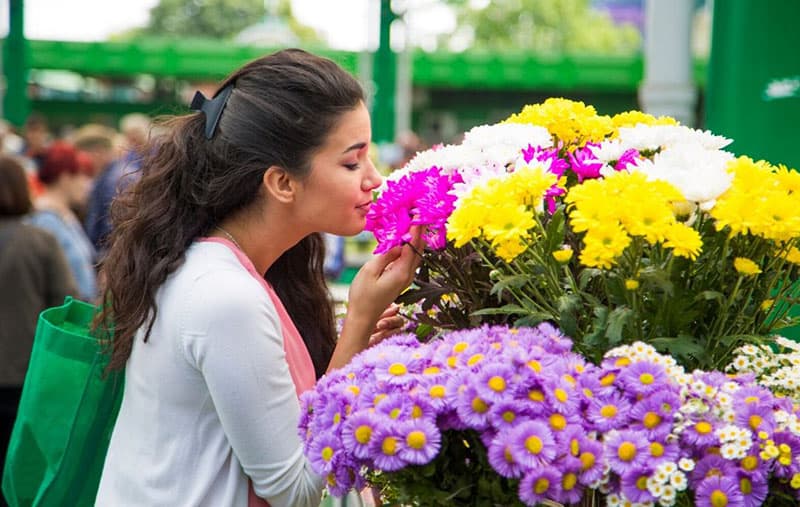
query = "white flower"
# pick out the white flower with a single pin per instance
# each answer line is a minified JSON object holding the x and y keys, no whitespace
{"x":503,"y":142}
{"x":698,"y":173}
{"x":678,"y":481}
{"x":654,"y":137}
{"x":787,"y":343}
{"x":686,"y":464}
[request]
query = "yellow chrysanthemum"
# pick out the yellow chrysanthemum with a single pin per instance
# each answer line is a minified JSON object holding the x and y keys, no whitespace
{"x":464,"y":224}
{"x":746,"y":266}
{"x":509,"y":250}
{"x":633,"y":118}
{"x":506,"y":223}
{"x":684,"y":241}
{"x":603,"y":245}
{"x":572,"y":122}
{"x":563,"y":256}
{"x":793,"y":255}
{"x":529,"y":184}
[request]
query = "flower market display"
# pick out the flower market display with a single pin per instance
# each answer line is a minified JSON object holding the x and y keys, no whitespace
{"x":596,"y":321}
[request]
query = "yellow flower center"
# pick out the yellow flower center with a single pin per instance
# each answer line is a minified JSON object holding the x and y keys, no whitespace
{"x":363,"y":433}
{"x":754,"y":421}
{"x":569,"y":481}
{"x":646,"y":378}
{"x":337,"y":418}
{"x":327,"y":453}
{"x":509,"y":416}
{"x":379,"y":398}
{"x":398,"y":369}
{"x":536,"y":395}
{"x":431,"y":370}
{"x":416,"y":440}
{"x":389,"y":446}
{"x":507,"y":455}
{"x":497,"y":384}
{"x":534,"y":444}
{"x":608,"y":411}
{"x":587,"y":460}
{"x":354,"y":389}
{"x":751,"y":399}
{"x":569,"y":378}
{"x":452,"y":361}
{"x":477,"y":358}
{"x":437,"y":391}
{"x":479,"y":406}
{"x":656,"y":450}
{"x":750,"y":463}
{"x":703,"y":427}
{"x":718,"y":499}
{"x":574,"y":447}
{"x":607,"y":380}
{"x":588,"y":392}
{"x":558,"y":422}
{"x":561,"y":395}
{"x":626,"y":451}
{"x":541,"y":485}
{"x":651,"y":420}
{"x":460,"y":347}
{"x":535,"y":365}
{"x":395,"y":413}
{"x":641,"y":483}
{"x":745,"y":486}
{"x":416,"y":412}
{"x":622,"y":361}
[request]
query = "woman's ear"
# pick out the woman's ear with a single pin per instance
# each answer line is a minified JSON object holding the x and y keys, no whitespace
{"x":279,"y":184}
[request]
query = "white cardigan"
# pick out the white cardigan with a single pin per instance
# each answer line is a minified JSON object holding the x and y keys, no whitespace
{"x":209,"y":400}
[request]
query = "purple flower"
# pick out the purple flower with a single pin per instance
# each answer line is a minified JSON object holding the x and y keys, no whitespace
{"x":584,"y":163}
{"x":786,"y":464}
{"x":562,"y":397}
{"x":754,"y":489}
{"x":591,"y":458}
{"x":643,"y":378}
{"x":718,"y":490}
{"x":753,"y":395}
{"x":501,"y":458}
{"x":700,"y":434}
{"x":755,"y":417}
{"x":626,"y":451}
{"x":661,"y":451}
{"x":654,"y":414}
{"x":494,"y":382}
{"x":473,"y":409}
{"x":541,"y":483}
{"x":386,"y":448}
{"x":422,"y":441}
{"x":634,"y":486}
{"x":608,"y":412}
{"x":712,"y":465}
{"x":358,"y":433}
{"x":325,"y":452}
{"x":504,"y":415}
{"x":342,"y":480}
{"x":532,"y":444}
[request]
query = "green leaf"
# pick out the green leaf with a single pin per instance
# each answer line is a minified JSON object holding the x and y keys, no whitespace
{"x":617,"y":320}
{"x":509,"y":309}
{"x":708,"y":295}
{"x":555,"y":230}
{"x":509,"y":282}
{"x":657,"y":277}
{"x":586,"y":276}
{"x":685,"y":346}
{"x":568,"y":307}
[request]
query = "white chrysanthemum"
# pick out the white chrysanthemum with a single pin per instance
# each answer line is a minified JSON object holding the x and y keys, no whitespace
{"x":678,"y":480}
{"x":504,"y":141}
{"x":787,"y":343}
{"x":654,"y":137}
{"x":449,"y":158}
{"x":686,"y":464}
{"x":608,"y":151}
{"x":699,"y":174}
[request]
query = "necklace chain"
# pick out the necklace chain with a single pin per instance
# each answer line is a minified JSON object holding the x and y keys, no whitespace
{"x":230,"y":237}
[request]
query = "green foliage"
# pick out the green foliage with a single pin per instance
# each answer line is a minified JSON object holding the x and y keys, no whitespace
{"x":544,"y":26}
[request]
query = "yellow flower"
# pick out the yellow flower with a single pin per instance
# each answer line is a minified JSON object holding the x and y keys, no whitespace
{"x":572,"y":122}
{"x":793,"y":255}
{"x":745,"y":266}
{"x":509,"y":250}
{"x":631,"y":284}
{"x":528,"y":185}
{"x":684,"y":241}
{"x":563,"y":256}
{"x":508,"y":223}
{"x":633,"y":118}
{"x":767,"y":304}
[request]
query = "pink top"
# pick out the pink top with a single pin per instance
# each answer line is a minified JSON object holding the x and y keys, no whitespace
{"x":301,"y":367}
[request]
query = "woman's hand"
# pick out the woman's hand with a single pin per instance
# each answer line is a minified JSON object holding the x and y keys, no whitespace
{"x":389,"y":323}
{"x":375,"y":287}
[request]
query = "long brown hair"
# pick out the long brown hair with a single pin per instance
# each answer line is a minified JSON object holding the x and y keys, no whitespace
{"x":280,"y":111}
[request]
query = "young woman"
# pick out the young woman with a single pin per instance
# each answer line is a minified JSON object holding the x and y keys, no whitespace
{"x":220,"y":233}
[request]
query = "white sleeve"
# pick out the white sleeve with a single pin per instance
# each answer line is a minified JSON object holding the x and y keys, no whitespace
{"x":233,"y":337}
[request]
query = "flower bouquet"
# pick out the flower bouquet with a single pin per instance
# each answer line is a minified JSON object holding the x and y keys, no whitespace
{"x":513,"y":416}
{"x":615,"y":229}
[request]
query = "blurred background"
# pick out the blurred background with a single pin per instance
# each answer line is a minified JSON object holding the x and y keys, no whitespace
{"x":432,"y":68}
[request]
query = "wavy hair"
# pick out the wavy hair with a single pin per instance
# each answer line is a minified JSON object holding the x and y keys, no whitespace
{"x":280,"y":112}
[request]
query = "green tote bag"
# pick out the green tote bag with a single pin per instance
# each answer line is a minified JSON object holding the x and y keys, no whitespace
{"x":66,"y":414}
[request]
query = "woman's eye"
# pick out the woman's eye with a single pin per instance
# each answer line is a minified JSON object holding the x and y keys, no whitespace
{"x":352,"y":167}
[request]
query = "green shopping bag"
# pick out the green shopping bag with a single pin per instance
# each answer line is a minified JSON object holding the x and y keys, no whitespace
{"x":66,"y":414}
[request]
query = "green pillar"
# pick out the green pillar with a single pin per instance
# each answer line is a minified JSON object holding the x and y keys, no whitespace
{"x":384,"y":76}
{"x":15,"y":66}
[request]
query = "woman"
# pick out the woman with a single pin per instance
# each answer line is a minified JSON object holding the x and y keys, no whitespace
{"x":67,"y":181}
{"x":229,"y":198}
{"x":35,"y":276}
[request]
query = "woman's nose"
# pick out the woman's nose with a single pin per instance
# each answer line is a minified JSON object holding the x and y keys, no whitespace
{"x":373,"y":178}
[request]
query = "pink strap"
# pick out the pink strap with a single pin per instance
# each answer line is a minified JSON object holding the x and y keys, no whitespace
{"x":301,"y":368}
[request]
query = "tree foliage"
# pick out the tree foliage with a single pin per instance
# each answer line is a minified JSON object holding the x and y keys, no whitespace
{"x":544,"y":26}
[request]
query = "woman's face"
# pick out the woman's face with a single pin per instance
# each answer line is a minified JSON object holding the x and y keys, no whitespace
{"x":336,"y":195}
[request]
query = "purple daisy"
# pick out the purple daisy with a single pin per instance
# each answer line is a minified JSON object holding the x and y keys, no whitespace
{"x":495,"y":381}
{"x":634,"y":486}
{"x":754,"y":489}
{"x":626,"y":450}
{"x":501,"y":458}
{"x":562,"y":397}
{"x":786,"y":464}
{"x":532,"y":444}
{"x":422,"y":441}
{"x":358,"y":433}
{"x":539,"y":484}
{"x":385,"y":449}
{"x":325,"y":452}
{"x":755,"y":417}
{"x":506,"y":414}
{"x":643,"y":378}
{"x":700,"y":433}
{"x":654,"y":414}
{"x":712,"y":465}
{"x":473,"y":409}
{"x":608,"y":412}
{"x":718,"y":490}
